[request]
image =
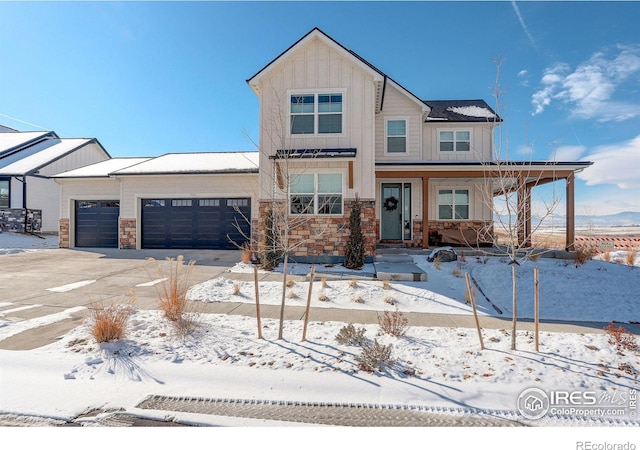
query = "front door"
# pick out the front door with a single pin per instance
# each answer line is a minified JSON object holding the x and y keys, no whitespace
{"x":391,"y":212}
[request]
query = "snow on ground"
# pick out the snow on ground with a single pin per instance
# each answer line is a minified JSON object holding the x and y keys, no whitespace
{"x":434,"y":367}
{"x":19,"y":242}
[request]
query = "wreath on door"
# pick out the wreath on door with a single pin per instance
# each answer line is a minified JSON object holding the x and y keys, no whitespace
{"x":390,"y":204}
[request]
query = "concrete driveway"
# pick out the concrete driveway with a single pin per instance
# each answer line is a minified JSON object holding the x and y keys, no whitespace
{"x":38,"y":285}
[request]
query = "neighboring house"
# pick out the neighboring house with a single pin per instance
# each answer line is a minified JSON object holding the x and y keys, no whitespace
{"x":333,"y":128}
{"x":178,"y":200}
{"x":29,"y":199}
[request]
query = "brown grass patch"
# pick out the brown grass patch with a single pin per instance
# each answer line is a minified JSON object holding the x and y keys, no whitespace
{"x":172,"y":292}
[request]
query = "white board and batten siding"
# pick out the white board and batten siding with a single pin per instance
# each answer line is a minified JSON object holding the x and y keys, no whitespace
{"x":318,"y":68}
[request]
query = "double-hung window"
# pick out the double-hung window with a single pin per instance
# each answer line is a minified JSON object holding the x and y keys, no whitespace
{"x":4,"y":192}
{"x":316,"y":113}
{"x":316,"y":193}
{"x":453,"y":204}
{"x":396,"y":136}
{"x":454,"y":141}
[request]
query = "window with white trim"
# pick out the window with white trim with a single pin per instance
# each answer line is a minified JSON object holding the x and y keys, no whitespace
{"x":316,"y":193}
{"x":396,"y":136}
{"x":454,"y":141}
{"x":316,"y":113}
{"x":4,"y":192}
{"x":453,"y":204}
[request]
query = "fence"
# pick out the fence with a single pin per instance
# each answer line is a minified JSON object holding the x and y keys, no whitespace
{"x":608,"y":243}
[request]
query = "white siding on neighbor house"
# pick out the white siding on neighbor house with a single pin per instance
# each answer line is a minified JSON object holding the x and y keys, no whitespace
{"x":481,"y":141}
{"x":88,"y":154}
{"x":44,"y":194}
{"x":398,"y":106}
{"x":317,"y":67}
{"x":478,"y":209}
{"x":15,"y":193}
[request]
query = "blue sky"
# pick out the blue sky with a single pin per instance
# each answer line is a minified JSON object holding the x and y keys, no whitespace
{"x":147,"y":78}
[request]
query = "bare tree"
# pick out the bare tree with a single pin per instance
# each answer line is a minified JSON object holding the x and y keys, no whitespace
{"x":512,"y":229}
{"x":291,"y":207}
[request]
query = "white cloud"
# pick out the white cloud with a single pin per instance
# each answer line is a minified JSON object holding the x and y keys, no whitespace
{"x":522,"y":73}
{"x":567,"y":153}
{"x":615,"y":164}
{"x":590,"y":88}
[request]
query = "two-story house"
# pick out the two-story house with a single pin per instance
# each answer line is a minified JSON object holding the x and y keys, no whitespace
{"x":333,"y":129}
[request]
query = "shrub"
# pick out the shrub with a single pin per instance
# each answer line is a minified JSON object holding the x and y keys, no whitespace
{"x":236,"y":288}
{"x":323,"y":297}
{"x":355,"y":250}
{"x":353,"y":283}
{"x":437,"y":262}
{"x":348,"y":335}
{"x":290,"y":282}
{"x":620,"y":337}
{"x":390,"y":300}
{"x":108,"y":323}
{"x":375,"y":356}
{"x":172,"y":292}
{"x":394,"y":323}
{"x":247,"y":254}
{"x":456,"y":273}
{"x":270,"y":253}
{"x":323,"y":282}
{"x":606,"y":256}
{"x":358,"y":299}
{"x":292,"y":294}
{"x":386,"y":285}
{"x":583,"y":254}
{"x":630,"y":257}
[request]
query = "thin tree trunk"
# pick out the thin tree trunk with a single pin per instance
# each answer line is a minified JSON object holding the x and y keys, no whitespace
{"x":306,"y":314}
{"x":284,"y":291}
{"x":475,"y":311}
{"x":536,"y":302}
{"x":515,"y":306}
{"x":255,"y":281}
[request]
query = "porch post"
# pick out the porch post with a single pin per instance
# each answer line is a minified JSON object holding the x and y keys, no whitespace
{"x":521,"y":213}
{"x":425,"y":212}
{"x":570,"y":213}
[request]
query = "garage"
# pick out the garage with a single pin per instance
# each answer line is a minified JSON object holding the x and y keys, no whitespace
{"x":203,"y":223}
{"x":97,"y":223}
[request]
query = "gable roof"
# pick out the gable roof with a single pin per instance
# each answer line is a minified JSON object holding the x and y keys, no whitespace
{"x":101,"y":169}
{"x":11,"y":142}
{"x":32,"y":159}
{"x":461,"y":111}
{"x":194,"y":163}
{"x":380,"y":78}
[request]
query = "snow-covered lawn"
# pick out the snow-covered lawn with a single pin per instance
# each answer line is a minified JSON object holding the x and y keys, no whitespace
{"x":19,"y":242}
{"x":434,"y":367}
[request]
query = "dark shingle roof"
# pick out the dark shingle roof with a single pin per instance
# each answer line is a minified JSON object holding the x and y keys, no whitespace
{"x":461,"y":111}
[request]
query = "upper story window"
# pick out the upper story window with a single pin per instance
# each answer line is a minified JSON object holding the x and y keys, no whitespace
{"x":453,"y":204}
{"x":4,"y":193}
{"x":396,"y":136}
{"x":316,"y":193}
{"x":316,"y":113}
{"x":454,"y":141}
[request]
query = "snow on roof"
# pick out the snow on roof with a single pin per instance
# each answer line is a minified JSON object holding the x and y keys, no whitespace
{"x":101,"y":169}
{"x":15,"y":139}
{"x":214,"y":162}
{"x":472,"y":111}
{"x":33,"y":158}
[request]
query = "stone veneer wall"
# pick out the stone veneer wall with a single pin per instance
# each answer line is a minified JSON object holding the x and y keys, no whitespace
{"x":13,"y":219}
{"x":327,"y":236}
{"x":127,"y":233}
{"x":63,"y":233}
